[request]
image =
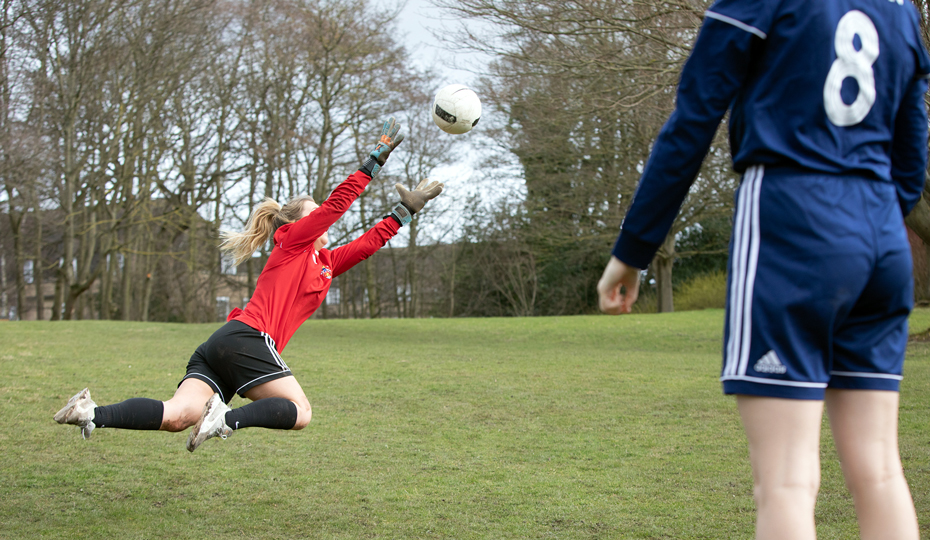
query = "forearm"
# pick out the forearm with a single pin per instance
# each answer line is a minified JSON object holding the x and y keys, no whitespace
{"x":667,"y":178}
{"x":365,"y":246}
{"x":339,"y":201}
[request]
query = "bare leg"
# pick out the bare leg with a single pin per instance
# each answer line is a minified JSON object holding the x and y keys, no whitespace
{"x":287,"y":388}
{"x":865,"y":429}
{"x":185,"y":407}
{"x":784,"y":449}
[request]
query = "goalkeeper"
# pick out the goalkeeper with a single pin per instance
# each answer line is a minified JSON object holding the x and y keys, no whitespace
{"x":244,"y":356}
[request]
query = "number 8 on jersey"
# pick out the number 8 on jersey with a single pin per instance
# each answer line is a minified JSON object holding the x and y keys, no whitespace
{"x":855,"y":64}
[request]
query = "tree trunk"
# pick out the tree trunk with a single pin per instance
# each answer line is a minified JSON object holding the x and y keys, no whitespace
{"x":919,"y":220}
{"x":354,"y":302}
{"x":19,"y":253}
{"x":371,"y":280}
{"x":59,"y":292}
{"x":411,"y":272}
{"x":4,"y":309}
{"x":37,"y":268}
{"x":400,"y":303}
{"x":452,"y":284}
{"x":662,"y":268}
{"x":343,"y":297}
{"x":66,"y":276}
{"x":128,"y":266}
{"x":371,"y":285}
{"x":73,"y":303}
{"x":84,"y":278}
{"x":147,"y":297}
{"x":190,"y":299}
{"x":106,"y":288}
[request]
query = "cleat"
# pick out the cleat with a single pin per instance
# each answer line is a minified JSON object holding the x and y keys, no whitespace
{"x":79,"y":411}
{"x":212,"y":423}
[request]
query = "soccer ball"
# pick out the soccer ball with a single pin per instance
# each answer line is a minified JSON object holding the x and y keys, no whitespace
{"x":456,"y":109}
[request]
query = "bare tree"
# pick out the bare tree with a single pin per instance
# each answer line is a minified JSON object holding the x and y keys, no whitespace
{"x":424,"y":149}
{"x":71,"y":45}
{"x":314,"y":73}
{"x":21,"y":147}
{"x":146,"y":124}
{"x":584,"y":88}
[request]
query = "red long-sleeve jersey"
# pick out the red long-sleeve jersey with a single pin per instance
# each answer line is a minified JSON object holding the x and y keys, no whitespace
{"x":297,"y":277}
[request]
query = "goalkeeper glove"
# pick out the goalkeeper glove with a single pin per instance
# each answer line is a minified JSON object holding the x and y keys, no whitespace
{"x":412,"y":202}
{"x":386,"y":144}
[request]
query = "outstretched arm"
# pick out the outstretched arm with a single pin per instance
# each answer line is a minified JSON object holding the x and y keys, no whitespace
{"x":305,"y":231}
{"x":302,"y":233}
{"x":411,"y":202}
{"x":356,"y":251}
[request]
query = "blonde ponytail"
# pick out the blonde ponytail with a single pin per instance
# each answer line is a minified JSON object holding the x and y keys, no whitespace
{"x":261,"y":225}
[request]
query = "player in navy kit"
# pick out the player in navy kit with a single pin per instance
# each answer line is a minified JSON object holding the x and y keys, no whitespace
{"x":829,"y":129}
{"x":244,"y":356}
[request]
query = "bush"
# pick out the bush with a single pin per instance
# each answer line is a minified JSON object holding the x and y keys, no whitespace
{"x":646,"y":302}
{"x":706,"y":291}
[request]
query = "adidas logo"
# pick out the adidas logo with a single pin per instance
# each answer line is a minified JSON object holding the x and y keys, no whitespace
{"x":770,"y":363}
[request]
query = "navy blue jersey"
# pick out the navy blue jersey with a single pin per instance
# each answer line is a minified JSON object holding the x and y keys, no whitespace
{"x":832,"y":86}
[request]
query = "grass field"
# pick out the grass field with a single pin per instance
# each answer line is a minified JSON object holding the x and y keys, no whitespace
{"x":574,"y":427}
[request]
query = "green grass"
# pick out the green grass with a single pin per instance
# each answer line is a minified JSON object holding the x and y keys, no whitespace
{"x":572,"y":427}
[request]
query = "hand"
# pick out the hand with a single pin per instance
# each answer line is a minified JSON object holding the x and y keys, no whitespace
{"x":416,"y":199}
{"x":616,"y":275}
{"x":388,"y":142}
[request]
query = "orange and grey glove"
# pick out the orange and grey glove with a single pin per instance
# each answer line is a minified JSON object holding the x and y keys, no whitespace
{"x":386,"y":144}
{"x":412,"y":202}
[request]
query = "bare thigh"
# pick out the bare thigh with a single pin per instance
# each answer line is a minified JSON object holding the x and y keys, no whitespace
{"x":784,"y":449}
{"x":185,"y":407}
{"x":865,"y":428}
{"x":784,"y":435}
{"x":289,"y":389}
{"x":865,"y":431}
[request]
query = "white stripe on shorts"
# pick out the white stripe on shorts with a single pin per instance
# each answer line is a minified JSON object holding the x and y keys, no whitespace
{"x":761,"y":380}
{"x":253,"y":380}
{"x":742,"y":281}
{"x":868,"y":375}
{"x":218,"y":391}
{"x":735,"y":290}
{"x":274,"y":352}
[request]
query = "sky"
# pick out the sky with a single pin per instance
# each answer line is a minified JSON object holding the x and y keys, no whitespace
{"x":417,"y":20}
{"x":464,"y":179}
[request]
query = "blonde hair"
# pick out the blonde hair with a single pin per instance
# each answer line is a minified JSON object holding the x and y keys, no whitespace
{"x":262,"y":224}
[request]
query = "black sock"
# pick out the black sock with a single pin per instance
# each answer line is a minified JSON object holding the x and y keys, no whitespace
{"x":135,"y":413}
{"x":271,"y":413}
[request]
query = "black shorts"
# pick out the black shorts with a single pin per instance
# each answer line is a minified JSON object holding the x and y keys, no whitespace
{"x":235,"y":359}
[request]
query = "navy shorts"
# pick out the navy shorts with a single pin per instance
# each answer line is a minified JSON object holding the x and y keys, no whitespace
{"x":819,"y":287}
{"x":235,"y":359}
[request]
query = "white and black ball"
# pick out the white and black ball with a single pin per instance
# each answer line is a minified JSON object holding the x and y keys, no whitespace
{"x":456,"y":109}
